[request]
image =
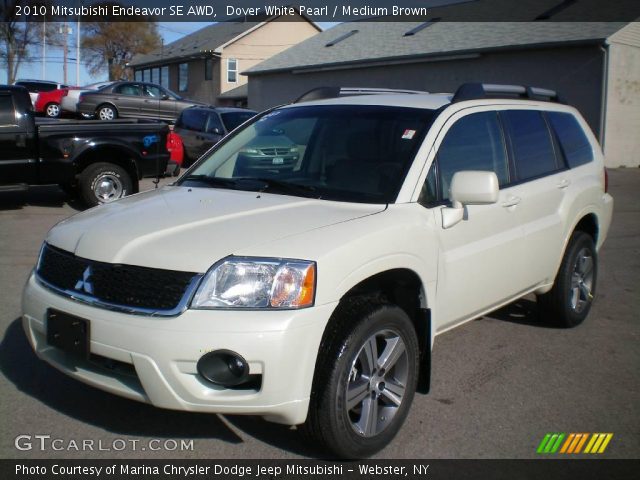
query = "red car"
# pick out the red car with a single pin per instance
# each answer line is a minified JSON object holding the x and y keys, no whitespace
{"x":48,"y":103}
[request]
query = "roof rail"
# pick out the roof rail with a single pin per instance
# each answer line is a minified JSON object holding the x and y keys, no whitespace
{"x":322,"y":93}
{"x":475,"y":91}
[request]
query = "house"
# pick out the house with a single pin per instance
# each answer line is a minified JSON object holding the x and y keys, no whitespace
{"x":205,"y":64}
{"x":595,"y":66}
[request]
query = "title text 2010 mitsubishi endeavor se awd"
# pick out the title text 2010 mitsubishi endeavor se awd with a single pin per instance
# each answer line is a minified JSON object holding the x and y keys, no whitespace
{"x":310,"y":292}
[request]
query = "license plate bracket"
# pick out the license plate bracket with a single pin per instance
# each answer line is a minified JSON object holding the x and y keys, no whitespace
{"x":68,"y":333}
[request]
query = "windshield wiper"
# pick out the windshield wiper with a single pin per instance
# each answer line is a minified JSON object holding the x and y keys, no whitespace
{"x":213,"y":181}
{"x":279,"y":186}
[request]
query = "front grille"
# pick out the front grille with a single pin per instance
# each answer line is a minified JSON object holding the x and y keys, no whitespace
{"x":126,"y":286}
{"x":275,"y":151}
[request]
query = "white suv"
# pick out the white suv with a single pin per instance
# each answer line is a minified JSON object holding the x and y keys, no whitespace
{"x":302,"y":268}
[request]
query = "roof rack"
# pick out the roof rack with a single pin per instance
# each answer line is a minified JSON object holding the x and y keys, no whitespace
{"x":475,"y":91}
{"x":322,"y":93}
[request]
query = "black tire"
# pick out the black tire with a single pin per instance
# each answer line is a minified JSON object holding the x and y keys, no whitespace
{"x":330,"y":422}
{"x":568,"y":303}
{"x":52,"y":110}
{"x":106,"y":112}
{"x":104,"y":183}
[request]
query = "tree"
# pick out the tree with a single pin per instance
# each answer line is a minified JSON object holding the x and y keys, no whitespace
{"x":110,"y":46}
{"x":16,"y":36}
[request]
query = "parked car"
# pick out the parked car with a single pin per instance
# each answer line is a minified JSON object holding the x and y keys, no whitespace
{"x":100,"y":162}
{"x":202,"y":127}
{"x":313,"y":296}
{"x":48,"y":103}
{"x":36,"y":86}
{"x":69,"y":102}
{"x":133,"y":100}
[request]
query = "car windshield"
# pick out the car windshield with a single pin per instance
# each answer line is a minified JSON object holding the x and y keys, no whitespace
{"x":355,"y":153}
{"x":233,"y":119}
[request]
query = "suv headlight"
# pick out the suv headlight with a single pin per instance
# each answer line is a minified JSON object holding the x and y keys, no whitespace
{"x":239,"y":282}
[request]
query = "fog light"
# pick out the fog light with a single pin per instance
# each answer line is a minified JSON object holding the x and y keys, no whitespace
{"x":223,"y":367}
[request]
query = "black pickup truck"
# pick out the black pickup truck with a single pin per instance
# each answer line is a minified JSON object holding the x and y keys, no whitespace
{"x":101,"y":161}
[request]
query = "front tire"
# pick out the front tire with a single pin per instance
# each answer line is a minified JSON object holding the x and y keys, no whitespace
{"x":107,"y":112}
{"x":104,"y":183}
{"x":365,"y":379}
{"x":568,"y":303}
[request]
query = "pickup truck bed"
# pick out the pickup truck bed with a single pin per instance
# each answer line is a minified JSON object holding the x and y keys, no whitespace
{"x":102,"y":161}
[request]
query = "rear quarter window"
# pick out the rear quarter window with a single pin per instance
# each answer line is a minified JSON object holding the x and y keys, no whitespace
{"x":575,"y":145}
{"x":531,"y":143}
{"x":193,"y":120}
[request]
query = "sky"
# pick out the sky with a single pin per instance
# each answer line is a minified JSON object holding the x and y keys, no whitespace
{"x":53,"y":66}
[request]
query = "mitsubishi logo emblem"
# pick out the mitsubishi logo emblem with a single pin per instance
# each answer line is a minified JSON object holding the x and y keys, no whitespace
{"x":84,"y":283}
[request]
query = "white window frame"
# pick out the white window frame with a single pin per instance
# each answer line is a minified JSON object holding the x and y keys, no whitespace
{"x":235,"y":70}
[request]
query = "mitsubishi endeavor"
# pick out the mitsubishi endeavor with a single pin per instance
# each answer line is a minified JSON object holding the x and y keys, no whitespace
{"x":310,"y":292}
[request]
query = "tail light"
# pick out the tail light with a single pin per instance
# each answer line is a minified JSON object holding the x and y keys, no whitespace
{"x":606,"y":181}
{"x":65,"y":92}
{"x":81,"y":98}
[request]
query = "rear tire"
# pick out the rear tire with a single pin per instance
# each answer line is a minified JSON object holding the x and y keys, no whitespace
{"x":107,"y":112}
{"x":365,"y":379}
{"x":52,"y":110}
{"x":104,"y":183}
{"x":568,"y":303}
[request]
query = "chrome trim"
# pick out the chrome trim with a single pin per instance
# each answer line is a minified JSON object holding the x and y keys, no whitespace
{"x":96,"y":302}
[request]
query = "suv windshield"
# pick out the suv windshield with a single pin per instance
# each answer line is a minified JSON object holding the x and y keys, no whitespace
{"x":356,"y":153}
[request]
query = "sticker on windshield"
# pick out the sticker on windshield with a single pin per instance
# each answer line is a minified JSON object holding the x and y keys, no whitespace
{"x":408,"y":134}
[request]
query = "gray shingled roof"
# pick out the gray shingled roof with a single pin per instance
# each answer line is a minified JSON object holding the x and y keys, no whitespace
{"x":377,"y":41}
{"x":196,"y":43}
{"x":239,"y":92}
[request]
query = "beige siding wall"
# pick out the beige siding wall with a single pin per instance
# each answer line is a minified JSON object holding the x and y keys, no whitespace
{"x":622,"y":130}
{"x":260,"y":44}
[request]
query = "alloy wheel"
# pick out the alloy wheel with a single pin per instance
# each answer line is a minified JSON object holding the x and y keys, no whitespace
{"x":377,"y":382}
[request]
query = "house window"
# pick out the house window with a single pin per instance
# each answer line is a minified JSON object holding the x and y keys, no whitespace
{"x":164,"y":76}
{"x":183,"y":77}
{"x":138,"y":76}
{"x":155,"y":75}
{"x":232,"y":70}
{"x":208,"y":68}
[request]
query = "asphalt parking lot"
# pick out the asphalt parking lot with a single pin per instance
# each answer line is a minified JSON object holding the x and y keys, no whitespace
{"x":499,"y":384}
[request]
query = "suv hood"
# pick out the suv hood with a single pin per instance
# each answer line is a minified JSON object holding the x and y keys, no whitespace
{"x":189,"y":229}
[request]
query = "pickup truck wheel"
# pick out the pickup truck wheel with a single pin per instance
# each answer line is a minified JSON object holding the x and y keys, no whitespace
{"x":568,"y":303}
{"x":104,"y":183}
{"x":52,"y":110}
{"x":365,"y":379}
{"x":107,"y":112}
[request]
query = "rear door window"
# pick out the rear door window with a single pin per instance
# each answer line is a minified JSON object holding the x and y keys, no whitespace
{"x":531,"y":143}
{"x":474,"y":142}
{"x":128,"y":89}
{"x":7,"y":111}
{"x":574,"y":143}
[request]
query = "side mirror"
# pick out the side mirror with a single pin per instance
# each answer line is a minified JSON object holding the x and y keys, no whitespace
{"x":164,"y":97}
{"x":469,"y":188}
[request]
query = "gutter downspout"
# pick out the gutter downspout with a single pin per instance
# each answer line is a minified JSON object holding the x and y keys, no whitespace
{"x":604,"y":91}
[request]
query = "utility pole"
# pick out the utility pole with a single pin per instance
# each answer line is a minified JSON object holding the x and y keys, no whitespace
{"x":44,"y":50}
{"x":66,"y":30}
{"x":78,"y":52}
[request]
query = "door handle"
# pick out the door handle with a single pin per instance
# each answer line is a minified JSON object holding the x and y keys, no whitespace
{"x":511,"y":201}
{"x":564,"y":183}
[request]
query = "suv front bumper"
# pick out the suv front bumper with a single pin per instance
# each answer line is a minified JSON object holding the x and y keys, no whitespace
{"x":162,"y":353}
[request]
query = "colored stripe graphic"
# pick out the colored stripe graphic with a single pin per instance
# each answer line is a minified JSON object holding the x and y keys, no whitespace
{"x":550,"y":443}
{"x":597,"y":443}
